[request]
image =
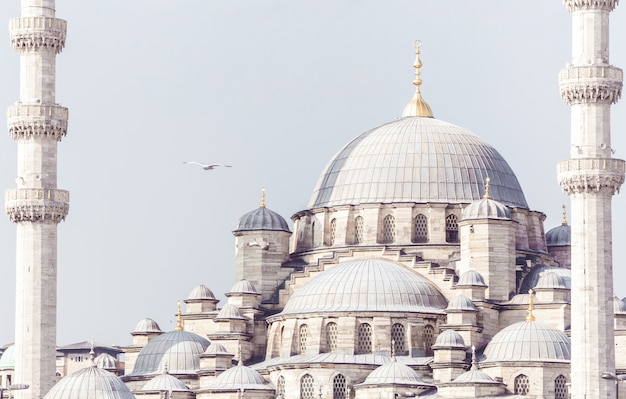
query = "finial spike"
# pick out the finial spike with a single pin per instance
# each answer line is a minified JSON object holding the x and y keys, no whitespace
{"x":393,"y":350}
{"x":474,"y":363}
{"x":240,"y":354}
{"x":179,"y":319}
{"x":263,"y":197}
{"x":417,"y":106}
{"x":564,"y":215}
{"x":487,"y":196}
{"x":530,"y":316}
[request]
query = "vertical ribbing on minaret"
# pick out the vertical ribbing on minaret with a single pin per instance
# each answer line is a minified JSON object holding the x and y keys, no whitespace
{"x":37,"y":124}
{"x":590,"y":85}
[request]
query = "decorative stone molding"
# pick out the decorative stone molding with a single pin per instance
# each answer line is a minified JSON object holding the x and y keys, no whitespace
{"x":591,"y":84}
{"x":586,"y":175}
{"x":576,"y":5}
{"x":37,"y":120}
{"x":34,"y":33}
{"x":37,"y":205}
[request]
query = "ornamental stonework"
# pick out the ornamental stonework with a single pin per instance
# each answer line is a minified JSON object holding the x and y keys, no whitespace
{"x":37,"y":205}
{"x":590,"y":84}
{"x":576,"y":5}
{"x":588,"y":175}
{"x":26,"y":121}
{"x":38,"y":33}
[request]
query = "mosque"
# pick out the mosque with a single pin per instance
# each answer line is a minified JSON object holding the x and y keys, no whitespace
{"x":417,"y":269}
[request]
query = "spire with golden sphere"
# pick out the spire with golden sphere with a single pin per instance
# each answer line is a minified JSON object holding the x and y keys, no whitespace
{"x":564,"y":223}
{"x":417,"y":106}
{"x":263,"y":197}
{"x":530,"y":316}
{"x":487,"y":196}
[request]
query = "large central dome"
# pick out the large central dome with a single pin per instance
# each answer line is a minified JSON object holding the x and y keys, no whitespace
{"x":416,"y":159}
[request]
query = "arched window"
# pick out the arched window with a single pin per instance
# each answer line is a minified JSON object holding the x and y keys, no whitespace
{"x":331,"y":337}
{"x":521,"y":385}
{"x":389,"y":230}
{"x":452,"y":229}
{"x":429,"y":339}
{"x":364,"y":339}
{"x":333,"y":232}
{"x":560,"y":387}
{"x":420,"y":229}
{"x":358,"y":230}
{"x":339,"y":387}
{"x":302,"y":335}
{"x":280,"y":387}
{"x":313,"y":234}
{"x":307,"y":391}
{"x":397,"y":337}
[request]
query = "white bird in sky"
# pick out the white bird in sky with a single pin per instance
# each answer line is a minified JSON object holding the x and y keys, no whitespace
{"x":207,"y":166}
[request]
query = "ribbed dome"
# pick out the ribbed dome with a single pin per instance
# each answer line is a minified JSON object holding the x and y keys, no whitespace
{"x":550,"y":279}
{"x":558,"y":236}
{"x":394,"y":373}
{"x":243,"y":287}
{"x":367,"y":285}
{"x":239,"y":377}
{"x":485,"y":209}
{"x":475,"y":376}
{"x":90,"y":382}
{"x":147,"y":326}
{"x":529,"y":341}
{"x":105,"y":361}
{"x":216,"y":348}
{"x":618,"y":305}
{"x":201,"y":292}
{"x":178,"y":350}
{"x":532,"y":278}
{"x":449,"y":339}
{"x":229,"y":312}
{"x":471,"y":278}
{"x":461,"y":302}
{"x":416,"y":159}
{"x":7,"y":361}
{"x":262,"y":219}
{"x":165,"y":382}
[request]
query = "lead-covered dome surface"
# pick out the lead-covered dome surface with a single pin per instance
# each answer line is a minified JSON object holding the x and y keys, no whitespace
{"x":485,"y":208}
{"x":394,"y":373}
{"x":416,"y":159}
{"x":7,"y":361}
{"x":370,"y":285}
{"x":262,"y":219}
{"x":90,"y":382}
{"x":147,"y":325}
{"x":239,"y":377}
{"x":559,"y":236}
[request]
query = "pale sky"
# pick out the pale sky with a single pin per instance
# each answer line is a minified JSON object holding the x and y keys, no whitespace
{"x":274,"y":88}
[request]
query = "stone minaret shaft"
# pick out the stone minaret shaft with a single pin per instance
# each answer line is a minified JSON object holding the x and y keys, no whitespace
{"x":590,"y":85}
{"x":37,"y":124}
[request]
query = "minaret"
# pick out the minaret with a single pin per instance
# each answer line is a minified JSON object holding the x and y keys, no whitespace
{"x":37,"y":123}
{"x":590,"y":85}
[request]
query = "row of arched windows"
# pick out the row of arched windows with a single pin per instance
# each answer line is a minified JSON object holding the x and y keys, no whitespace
{"x":388,"y":235}
{"x":521,"y":386}
{"x":307,"y":387}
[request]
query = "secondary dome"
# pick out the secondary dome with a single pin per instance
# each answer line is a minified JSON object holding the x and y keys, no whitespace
{"x":394,"y":373}
{"x":486,"y":209}
{"x":370,"y":285}
{"x":559,"y":236}
{"x":416,"y":159}
{"x":7,"y":361}
{"x":90,"y":382}
{"x":262,"y":219}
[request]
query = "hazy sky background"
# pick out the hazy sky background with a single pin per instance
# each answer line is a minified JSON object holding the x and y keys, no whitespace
{"x":273,"y":88}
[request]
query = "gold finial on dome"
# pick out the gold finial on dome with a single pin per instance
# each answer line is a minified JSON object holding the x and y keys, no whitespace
{"x":263,"y":197}
{"x":487,"y":196}
{"x":530,"y":316}
{"x":564,"y":216}
{"x":179,"y":319}
{"x":417,"y":106}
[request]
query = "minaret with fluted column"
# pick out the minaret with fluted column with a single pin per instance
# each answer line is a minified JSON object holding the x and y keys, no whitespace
{"x":37,"y":123}
{"x":590,"y":85}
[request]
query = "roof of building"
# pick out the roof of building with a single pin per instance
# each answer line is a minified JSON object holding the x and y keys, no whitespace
{"x":461,"y":302}
{"x":90,"y":382}
{"x":86,"y":346}
{"x":7,"y":360}
{"x":243,"y":286}
{"x":165,"y":382}
{"x":486,"y":208}
{"x":394,"y":373}
{"x":471,"y":278}
{"x":416,"y":159}
{"x":239,"y":377}
{"x":371,"y":285}
{"x":201,"y":292}
{"x":532,"y":278}
{"x":147,"y":325}
{"x":559,"y":236}
{"x":106,"y":361}
{"x":449,"y":339}
{"x":262,"y":219}
{"x":550,"y":279}
{"x":229,"y":312}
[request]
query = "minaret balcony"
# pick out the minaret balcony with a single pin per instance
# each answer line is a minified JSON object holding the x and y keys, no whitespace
{"x":577,"y":5}
{"x":584,"y":175}
{"x":37,"y":120}
{"x":35,"y":33}
{"x":36,"y":204}
{"x":591,"y":84}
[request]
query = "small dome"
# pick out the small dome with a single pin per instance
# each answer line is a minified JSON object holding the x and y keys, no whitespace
{"x":371,"y":285}
{"x":529,"y":341}
{"x":559,"y":236}
{"x":519,"y":299}
{"x":532,"y":278}
{"x":461,"y":302}
{"x":449,"y":339}
{"x":90,"y":382}
{"x":229,"y":312}
{"x":239,"y":377}
{"x":147,"y":326}
{"x":201,"y":292}
{"x":243,"y":286}
{"x":394,"y":373}
{"x":106,"y":361}
{"x":485,"y":209}
{"x":552,"y":280}
{"x":618,"y":305}
{"x":176,"y":350}
{"x":262,"y":219}
{"x":216,"y":349}
{"x":7,"y":361}
{"x":471,"y":278}
{"x":474,"y":375}
{"x":165,"y":382}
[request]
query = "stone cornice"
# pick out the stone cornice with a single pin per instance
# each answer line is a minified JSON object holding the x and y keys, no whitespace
{"x":37,"y":33}
{"x":590,"y":84}
{"x":36,"y":205}
{"x":586,"y":175}
{"x":576,"y":5}
{"x":37,"y":120}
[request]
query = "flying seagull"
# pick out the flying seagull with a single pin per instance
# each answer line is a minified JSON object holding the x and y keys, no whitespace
{"x":207,"y":166}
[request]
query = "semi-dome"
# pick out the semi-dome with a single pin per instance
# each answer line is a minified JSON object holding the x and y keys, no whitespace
{"x":529,"y":341}
{"x":262,"y":219}
{"x":416,"y":159}
{"x":370,"y":285}
{"x":559,"y":236}
{"x":90,"y":382}
{"x":7,"y":360}
{"x":394,"y":373}
{"x":147,"y":325}
{"x":471,"y":278}
{"x":201,"y":292}
{"x":176,"y":350}
{"x":461,"y":302}
{"x":449,"y":339}
{"x":485,"y":208}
